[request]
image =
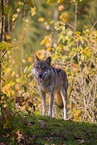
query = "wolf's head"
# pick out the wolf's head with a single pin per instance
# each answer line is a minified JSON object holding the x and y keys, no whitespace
{"x":42,"y":69}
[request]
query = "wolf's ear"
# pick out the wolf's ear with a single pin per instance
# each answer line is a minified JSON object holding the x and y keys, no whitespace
{"x":36,"y":59}
{"x":48,"y":60}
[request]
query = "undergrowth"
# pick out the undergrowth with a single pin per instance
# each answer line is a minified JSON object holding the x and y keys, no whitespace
{"x":39,"y":130}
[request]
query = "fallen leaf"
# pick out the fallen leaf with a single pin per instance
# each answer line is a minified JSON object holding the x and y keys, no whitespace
{"x":77,"y":136}
{"x":71,"y":128}
{"x":2,"y":143}
{"x":61,"y":143}
{"x":44,"y":126}
{"x":41,"y":121}
{"x":20,"y":136}
{"x":5,"y":135}
{"x":81,"y":141}
{"x":52,"y":133}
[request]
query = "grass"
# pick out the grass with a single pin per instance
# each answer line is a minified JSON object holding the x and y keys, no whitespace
{"x":39,"y":130}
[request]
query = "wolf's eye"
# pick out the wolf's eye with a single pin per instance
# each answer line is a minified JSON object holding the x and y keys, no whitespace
{"x":44,"y":68}
{"x":37,"y":67}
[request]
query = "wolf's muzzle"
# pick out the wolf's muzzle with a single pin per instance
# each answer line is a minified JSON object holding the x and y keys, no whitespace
{"x":40,"y":77}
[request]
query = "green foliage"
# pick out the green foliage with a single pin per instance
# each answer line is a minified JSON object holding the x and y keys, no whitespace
{"x":75,"y":52}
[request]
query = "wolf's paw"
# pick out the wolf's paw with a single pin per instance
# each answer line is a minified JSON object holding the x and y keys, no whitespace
{"x":53,"y":116}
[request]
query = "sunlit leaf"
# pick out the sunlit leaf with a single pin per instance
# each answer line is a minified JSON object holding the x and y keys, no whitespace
{"x":17,"y":87}
{"x":60,"y":1}
{"x":8,"y":37}
{"x":64,"y":16}
{"x":41,"y":19}
{"x":18,"y":80}
{"x":21,"y":3}
{"x":30,"y":59}
{"x":33,"y":11}
{"x":25,"y":70}
{"x":50,"y":1}
{"x":6,"y":11}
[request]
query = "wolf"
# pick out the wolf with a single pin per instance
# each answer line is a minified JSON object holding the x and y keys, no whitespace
{"x":51,"y":81}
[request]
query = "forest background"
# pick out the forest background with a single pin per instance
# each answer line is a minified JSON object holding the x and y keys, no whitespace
{"x":66,"y":30}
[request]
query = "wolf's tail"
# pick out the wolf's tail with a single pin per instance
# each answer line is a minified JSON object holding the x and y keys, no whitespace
{"x":59,"y":100}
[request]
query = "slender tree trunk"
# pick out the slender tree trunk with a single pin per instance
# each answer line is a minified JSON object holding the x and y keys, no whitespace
{"x":8,"y":21}
{"x":3,"y":23}
{"x":9,"y":24}
{"x":55,"y":20}
{"x":2,"y":19}
{"x":75,"y":15}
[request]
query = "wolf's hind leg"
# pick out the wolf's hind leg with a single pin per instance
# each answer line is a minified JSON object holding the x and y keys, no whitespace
{"x":52,"y":113}
{"x":43,"y":96}
{"x":64,"y":97}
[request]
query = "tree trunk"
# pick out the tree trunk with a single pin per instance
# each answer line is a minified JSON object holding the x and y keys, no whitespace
{"x":2,"y":19}
{"x":75,"y":15}
{"x":55,"y":20}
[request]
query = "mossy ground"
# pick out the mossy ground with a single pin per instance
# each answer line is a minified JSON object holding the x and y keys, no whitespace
{"x":39,"y":130}
{"x":57,"y":131}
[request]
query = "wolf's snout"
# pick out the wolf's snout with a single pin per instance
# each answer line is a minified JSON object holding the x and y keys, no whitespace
{"x":40,"y":75}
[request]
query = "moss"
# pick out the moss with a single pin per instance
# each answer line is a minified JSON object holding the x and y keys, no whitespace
{"x":58,"y":131}
{"x":45,"y":130}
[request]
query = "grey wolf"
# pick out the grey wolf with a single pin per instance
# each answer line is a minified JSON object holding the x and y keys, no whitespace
{"x":52,"y":81}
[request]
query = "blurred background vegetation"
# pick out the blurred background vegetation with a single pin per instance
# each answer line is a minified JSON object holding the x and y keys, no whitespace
{"x":66,"y":30}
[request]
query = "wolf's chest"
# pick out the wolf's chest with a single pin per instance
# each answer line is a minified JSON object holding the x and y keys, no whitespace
{"x":45,"y":88}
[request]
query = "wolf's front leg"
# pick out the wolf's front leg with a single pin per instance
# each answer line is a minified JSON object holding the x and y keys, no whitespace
{"x":43,"y":96}
{"x":51,"y":101}
{"x":64,"y":97}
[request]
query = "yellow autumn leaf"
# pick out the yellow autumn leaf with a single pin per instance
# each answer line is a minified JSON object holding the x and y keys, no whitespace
{"x":17,"y":87}
{"x":30,"y":59}
{"x":25,"y":77}
{"x":64,"y":16}
{"x":77,"y":113}
{"x":8,"y":37}
{"x":44,"y":40}
{"x":13,"y":19}
{"x":86,"y":26}
{"x":68,"y":106}
{"x":51,"y":22}
{"x":18,"y":80}
{"x":47,"y":44}
{"x":48,"y":49}
{"x":21,"y":3}
{"x":38,"y":52}
{"x":41,"y":19}
{"x":60,"y":1}
{"x":8,"y":70}
{"x":77,"y":118}
{"x":33,"y":11}
{"x":30,"y":108}
{"x":42,"y":56}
